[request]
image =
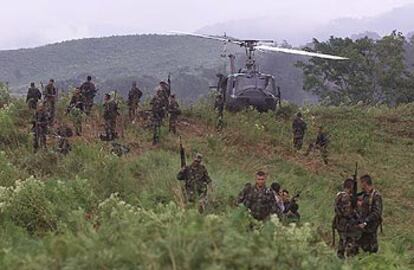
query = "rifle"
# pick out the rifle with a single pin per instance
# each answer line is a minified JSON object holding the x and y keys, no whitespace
{"x":169,"y":84}
{"x":355,"y":188}
{"x":182,"y":154}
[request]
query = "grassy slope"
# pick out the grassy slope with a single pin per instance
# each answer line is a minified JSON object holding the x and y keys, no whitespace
{"x":380,"y":139}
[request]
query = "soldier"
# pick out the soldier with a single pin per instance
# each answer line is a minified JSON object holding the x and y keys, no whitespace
{"x":88,"y":92}
{"x":279,"y":201}
{"x":299,"y":128}
{"x":174,"y":111}
{"x":157,"y":115}
{"x":164,"y":94}
{"x":110,"y":115}
{"x":40,"y":122}
{"x":50,"y":100}
{"x":76,"y":109}
{"x":345,"y":222}
{"x":196,"y":182}
{"x":219,"y":108}
{"x":259,"y":199}
{"x":33,"y":96}
{"x":63,"y":133}
{"x":321,"y":144}
{"x":134,"y":97}
{"x":371,"y":215}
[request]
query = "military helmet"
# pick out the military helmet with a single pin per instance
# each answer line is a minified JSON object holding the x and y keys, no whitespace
{"x":32,"y":84}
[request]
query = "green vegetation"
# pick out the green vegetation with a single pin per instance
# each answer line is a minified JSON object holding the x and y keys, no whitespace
{"x":93,"y":210}
{"x":379,"y":71}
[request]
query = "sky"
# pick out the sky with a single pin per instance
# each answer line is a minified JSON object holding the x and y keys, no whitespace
{"x":29,"y":23}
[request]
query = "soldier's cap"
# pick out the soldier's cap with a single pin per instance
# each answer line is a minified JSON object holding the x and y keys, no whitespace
{"x":299,"y":114}
{"x":51,"y":80}
{"x":89,"y":78}
{"x":107,"y":95}
{"x":198,"y":157}
{"x":32,"y":84}
{"x":163,"y":82}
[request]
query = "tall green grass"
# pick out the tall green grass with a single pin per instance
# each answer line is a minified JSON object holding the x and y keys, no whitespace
{"x":93,"y":210}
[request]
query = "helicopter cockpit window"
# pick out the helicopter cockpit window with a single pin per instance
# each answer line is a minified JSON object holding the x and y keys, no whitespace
{"x":244,"y":83}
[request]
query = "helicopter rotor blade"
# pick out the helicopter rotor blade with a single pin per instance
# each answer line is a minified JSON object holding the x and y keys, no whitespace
{"x":299,"y":52}
{"x":224,"y":39}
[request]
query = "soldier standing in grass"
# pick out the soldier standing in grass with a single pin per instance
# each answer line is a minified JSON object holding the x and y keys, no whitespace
{"x":322,"y":141}
{"x":345,"y":222}
{"x":197,"y":181}
{"x":259,"y":199}
{"x":76,"y":109}
{"x":299,"y":127}
{"x":33,"y":96}
{"x":134,"y":97}
{"x":88,"y":92}
{"x":63,"y":135}
{"x":110,"y":115}
{"x":174,"y":111}
{"x":40,"y":122}
{"x":157,"y":109}
{"x":371,"y":214}
{"x":50,"y":100}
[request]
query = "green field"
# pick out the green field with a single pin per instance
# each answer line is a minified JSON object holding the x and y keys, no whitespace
{"x":93,"y":210}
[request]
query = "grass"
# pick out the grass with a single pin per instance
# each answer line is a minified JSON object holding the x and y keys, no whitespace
{"x":91,"y":209}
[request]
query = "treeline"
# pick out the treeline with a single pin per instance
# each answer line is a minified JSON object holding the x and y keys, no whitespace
{"x":378,"y":71}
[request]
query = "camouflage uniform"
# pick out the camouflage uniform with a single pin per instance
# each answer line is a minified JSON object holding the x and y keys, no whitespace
{"x":371,"y":214}
{"x":88,"y":92}
{"x":64,"y":133}
{"x":299,"y":127}
{"x":76,"y":108}
{"x":219,"y":107}
{"x":196,"y":183}
{"x":33,"y":96}
{"x":174,"y":111}
{"x":321,"y":143}
{"x":164,"y":91}
{"x":50,"y":101}
{"x":260,"y":201}
{"x":134,"y":96}
{"x":40,"y":122}
{"x":157,"y":115}
{"x":345,"y":222}
{"x":110,"y":115}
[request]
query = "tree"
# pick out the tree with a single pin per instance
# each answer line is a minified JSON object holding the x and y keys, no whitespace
{"x":375,"y":72}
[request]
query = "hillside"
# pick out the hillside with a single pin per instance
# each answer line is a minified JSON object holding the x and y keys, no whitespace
{"x":115,"y":61}
{"x":93,"y":210}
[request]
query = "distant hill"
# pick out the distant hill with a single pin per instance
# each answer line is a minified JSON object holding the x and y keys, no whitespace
{"x":116,"y":61}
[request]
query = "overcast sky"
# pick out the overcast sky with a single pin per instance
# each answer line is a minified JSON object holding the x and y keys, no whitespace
{"x":28,"y":23}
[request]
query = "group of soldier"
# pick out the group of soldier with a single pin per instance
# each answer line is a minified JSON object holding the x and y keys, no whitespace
{"x":299,"y":128}
{"x":163,"y":105}
{"x":357,"y":216}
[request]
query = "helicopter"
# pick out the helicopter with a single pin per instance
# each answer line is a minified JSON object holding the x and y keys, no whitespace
{"x":248,"y":87}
